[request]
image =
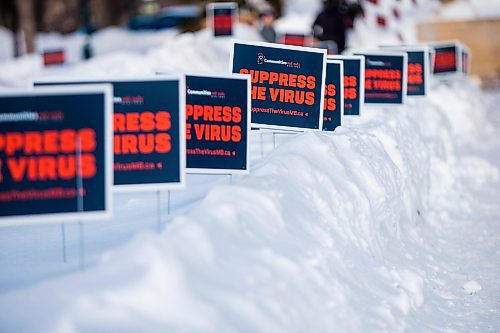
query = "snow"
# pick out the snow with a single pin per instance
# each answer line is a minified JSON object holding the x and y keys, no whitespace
{"x":295,"y":23}
{"x":71,"y":44}
{"x":102,"y":42}
{"x":472,"y":287}
{"x":470,"y":10}
{"x":305,"y":7}
{"x":349,"y":231}
{"x":388,"y":224}
{"x":172,"y":52}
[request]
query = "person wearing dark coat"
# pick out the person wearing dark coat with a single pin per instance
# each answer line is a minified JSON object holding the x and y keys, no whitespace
{"x":267,"y":31}
{"x":329,"y":25}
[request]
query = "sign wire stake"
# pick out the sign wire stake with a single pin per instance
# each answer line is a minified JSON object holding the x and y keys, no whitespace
{"x":168,"y":203}
{"x":63,"y":239}
{"x":79,"y":196}
{"x":81,"y":244}
{"x":261,"y":144}
{"x":158,"y":209}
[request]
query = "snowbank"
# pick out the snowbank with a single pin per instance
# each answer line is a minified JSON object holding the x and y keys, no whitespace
{"x":140,"y":54}
{"x":330,"y":232}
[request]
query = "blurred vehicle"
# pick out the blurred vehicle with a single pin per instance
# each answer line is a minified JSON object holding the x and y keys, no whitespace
{"x":165,"y":18}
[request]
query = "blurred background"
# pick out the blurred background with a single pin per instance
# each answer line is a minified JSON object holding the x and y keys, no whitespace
{"x":25,"y":24}
{"x":27,"y":17}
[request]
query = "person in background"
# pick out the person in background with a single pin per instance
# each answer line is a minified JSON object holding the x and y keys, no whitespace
{"x":332,"y":22}
{"x":267,"y":31}
{"x":329,"y":25}
{"x":247,"y":15}
{"x":350,"y":11}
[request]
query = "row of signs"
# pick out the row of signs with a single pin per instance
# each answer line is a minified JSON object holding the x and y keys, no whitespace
{"x":65,"y":143}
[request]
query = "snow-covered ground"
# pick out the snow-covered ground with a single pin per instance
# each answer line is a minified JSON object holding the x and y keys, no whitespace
{"x":469,"y":10}
{"x":389,"y":224}
{"x":392,"y":223}
{"x":134,"y":54}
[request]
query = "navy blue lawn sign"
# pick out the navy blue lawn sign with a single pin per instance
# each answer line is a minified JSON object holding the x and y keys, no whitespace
{"x":54,"y":57}
{"x":432,"y":57}
{"x":334,"y":89}
{"x":149,"y":132}
{"x":385,"y":78}
{"x":296,"y":39}
{"x":217,"y":123}
{"x":223,"y":18}
{"x":418,"y":72}
{"x":446,"y":58}
{"x":287,"y":84}
{"x":465,"y":60}
{"x":354,"y":83}
{"x":55,"y":154}
{"x":418,"y":68}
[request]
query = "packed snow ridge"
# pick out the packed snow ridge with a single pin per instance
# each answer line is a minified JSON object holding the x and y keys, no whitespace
{"x":331,"y":232}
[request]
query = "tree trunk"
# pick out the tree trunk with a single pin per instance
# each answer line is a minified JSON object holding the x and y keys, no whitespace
{"x":27,"y":24}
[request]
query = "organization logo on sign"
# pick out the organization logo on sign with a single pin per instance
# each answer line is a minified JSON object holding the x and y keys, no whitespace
{"x":205,"y":92}
{"x":261,"y":59}
{"x":378,"y":63}
{"x":128,"y":100}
